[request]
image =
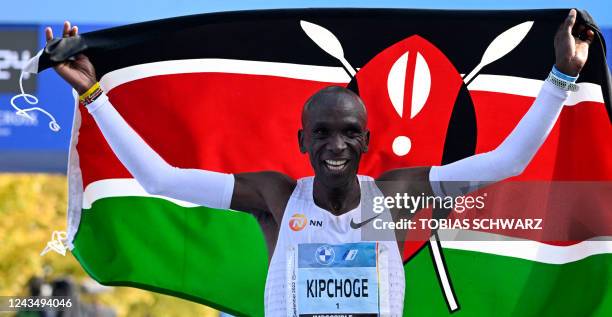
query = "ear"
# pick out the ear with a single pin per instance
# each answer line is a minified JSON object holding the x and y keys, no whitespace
{"x":300,"y":136}
{"x":366,"y":141}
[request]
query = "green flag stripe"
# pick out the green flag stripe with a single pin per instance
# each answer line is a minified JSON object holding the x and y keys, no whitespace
{"x":198,"y":253}
{"x":493,"y":285}
{"x":155,"y":244}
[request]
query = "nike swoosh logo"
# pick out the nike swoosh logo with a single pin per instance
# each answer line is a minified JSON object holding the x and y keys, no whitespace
{"x":361,"y":224}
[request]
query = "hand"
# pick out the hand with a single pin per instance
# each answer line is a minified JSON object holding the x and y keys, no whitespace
{"x":571,"y":52}
{"x":78,"y":72}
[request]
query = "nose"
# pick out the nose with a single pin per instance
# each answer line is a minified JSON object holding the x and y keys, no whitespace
{"x":336,"y":144}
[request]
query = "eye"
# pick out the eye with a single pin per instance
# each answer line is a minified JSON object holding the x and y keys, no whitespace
{"x":353,"y":132}
{"x":319,"y":132}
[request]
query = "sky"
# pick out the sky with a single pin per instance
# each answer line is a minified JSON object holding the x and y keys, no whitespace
{"x":129,"y":11}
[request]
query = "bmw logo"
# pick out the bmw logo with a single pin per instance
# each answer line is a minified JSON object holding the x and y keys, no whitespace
{"x":325,"y":255}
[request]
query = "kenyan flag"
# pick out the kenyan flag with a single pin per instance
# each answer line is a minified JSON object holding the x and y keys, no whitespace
{"x":224,"y":92}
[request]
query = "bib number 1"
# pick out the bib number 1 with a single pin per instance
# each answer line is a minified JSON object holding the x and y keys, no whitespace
{"x":333,"y":280}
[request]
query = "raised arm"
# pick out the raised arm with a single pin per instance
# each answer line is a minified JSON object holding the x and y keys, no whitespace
{"x":514,"y":154}
{"x":245,"y":192}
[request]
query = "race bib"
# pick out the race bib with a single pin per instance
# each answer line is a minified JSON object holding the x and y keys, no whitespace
{"x":333,"y":280}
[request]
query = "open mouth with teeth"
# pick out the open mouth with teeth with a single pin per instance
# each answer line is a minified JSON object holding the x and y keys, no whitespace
{"x":336,"y":165}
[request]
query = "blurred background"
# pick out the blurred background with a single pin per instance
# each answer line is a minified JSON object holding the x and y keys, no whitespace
{"x":33,"y":186}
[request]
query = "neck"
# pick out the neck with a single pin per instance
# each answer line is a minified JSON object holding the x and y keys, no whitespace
{"x":337,"y":200}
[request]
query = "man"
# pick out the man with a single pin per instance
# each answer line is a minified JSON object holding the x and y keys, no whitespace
{"x":309,"y":269}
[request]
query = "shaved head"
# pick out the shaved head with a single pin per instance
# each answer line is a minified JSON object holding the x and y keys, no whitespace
{"x":334,"y":134}
{"x":334,"y":96}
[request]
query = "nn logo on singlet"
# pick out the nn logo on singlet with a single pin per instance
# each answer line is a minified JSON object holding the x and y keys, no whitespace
{"x":299,"y":222}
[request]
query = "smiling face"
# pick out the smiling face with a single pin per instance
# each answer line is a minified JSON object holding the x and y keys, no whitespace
{"x":334,"y":135}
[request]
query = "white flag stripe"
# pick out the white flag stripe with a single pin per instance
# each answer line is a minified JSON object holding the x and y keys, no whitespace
{"x":121,"y":187}
{"x":483,"y":82}
{"x":217,"y":65}
{"x":530,"y":88}
{"x":534,"y":250}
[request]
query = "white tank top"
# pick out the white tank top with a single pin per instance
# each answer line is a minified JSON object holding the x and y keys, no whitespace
{"x":312,"y":224}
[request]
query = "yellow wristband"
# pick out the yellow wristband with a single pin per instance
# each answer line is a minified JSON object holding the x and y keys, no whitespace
{"x":90,"y":91}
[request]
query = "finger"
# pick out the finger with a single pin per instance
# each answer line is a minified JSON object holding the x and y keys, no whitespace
{"x":73,"y":31}
{"x":76,"y":30}
{"x":66,"y":30}
{"x":586,"y":36}
{"x":590,"y":36}
{"x":48,"y":34}
{"x":568,"y":24}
